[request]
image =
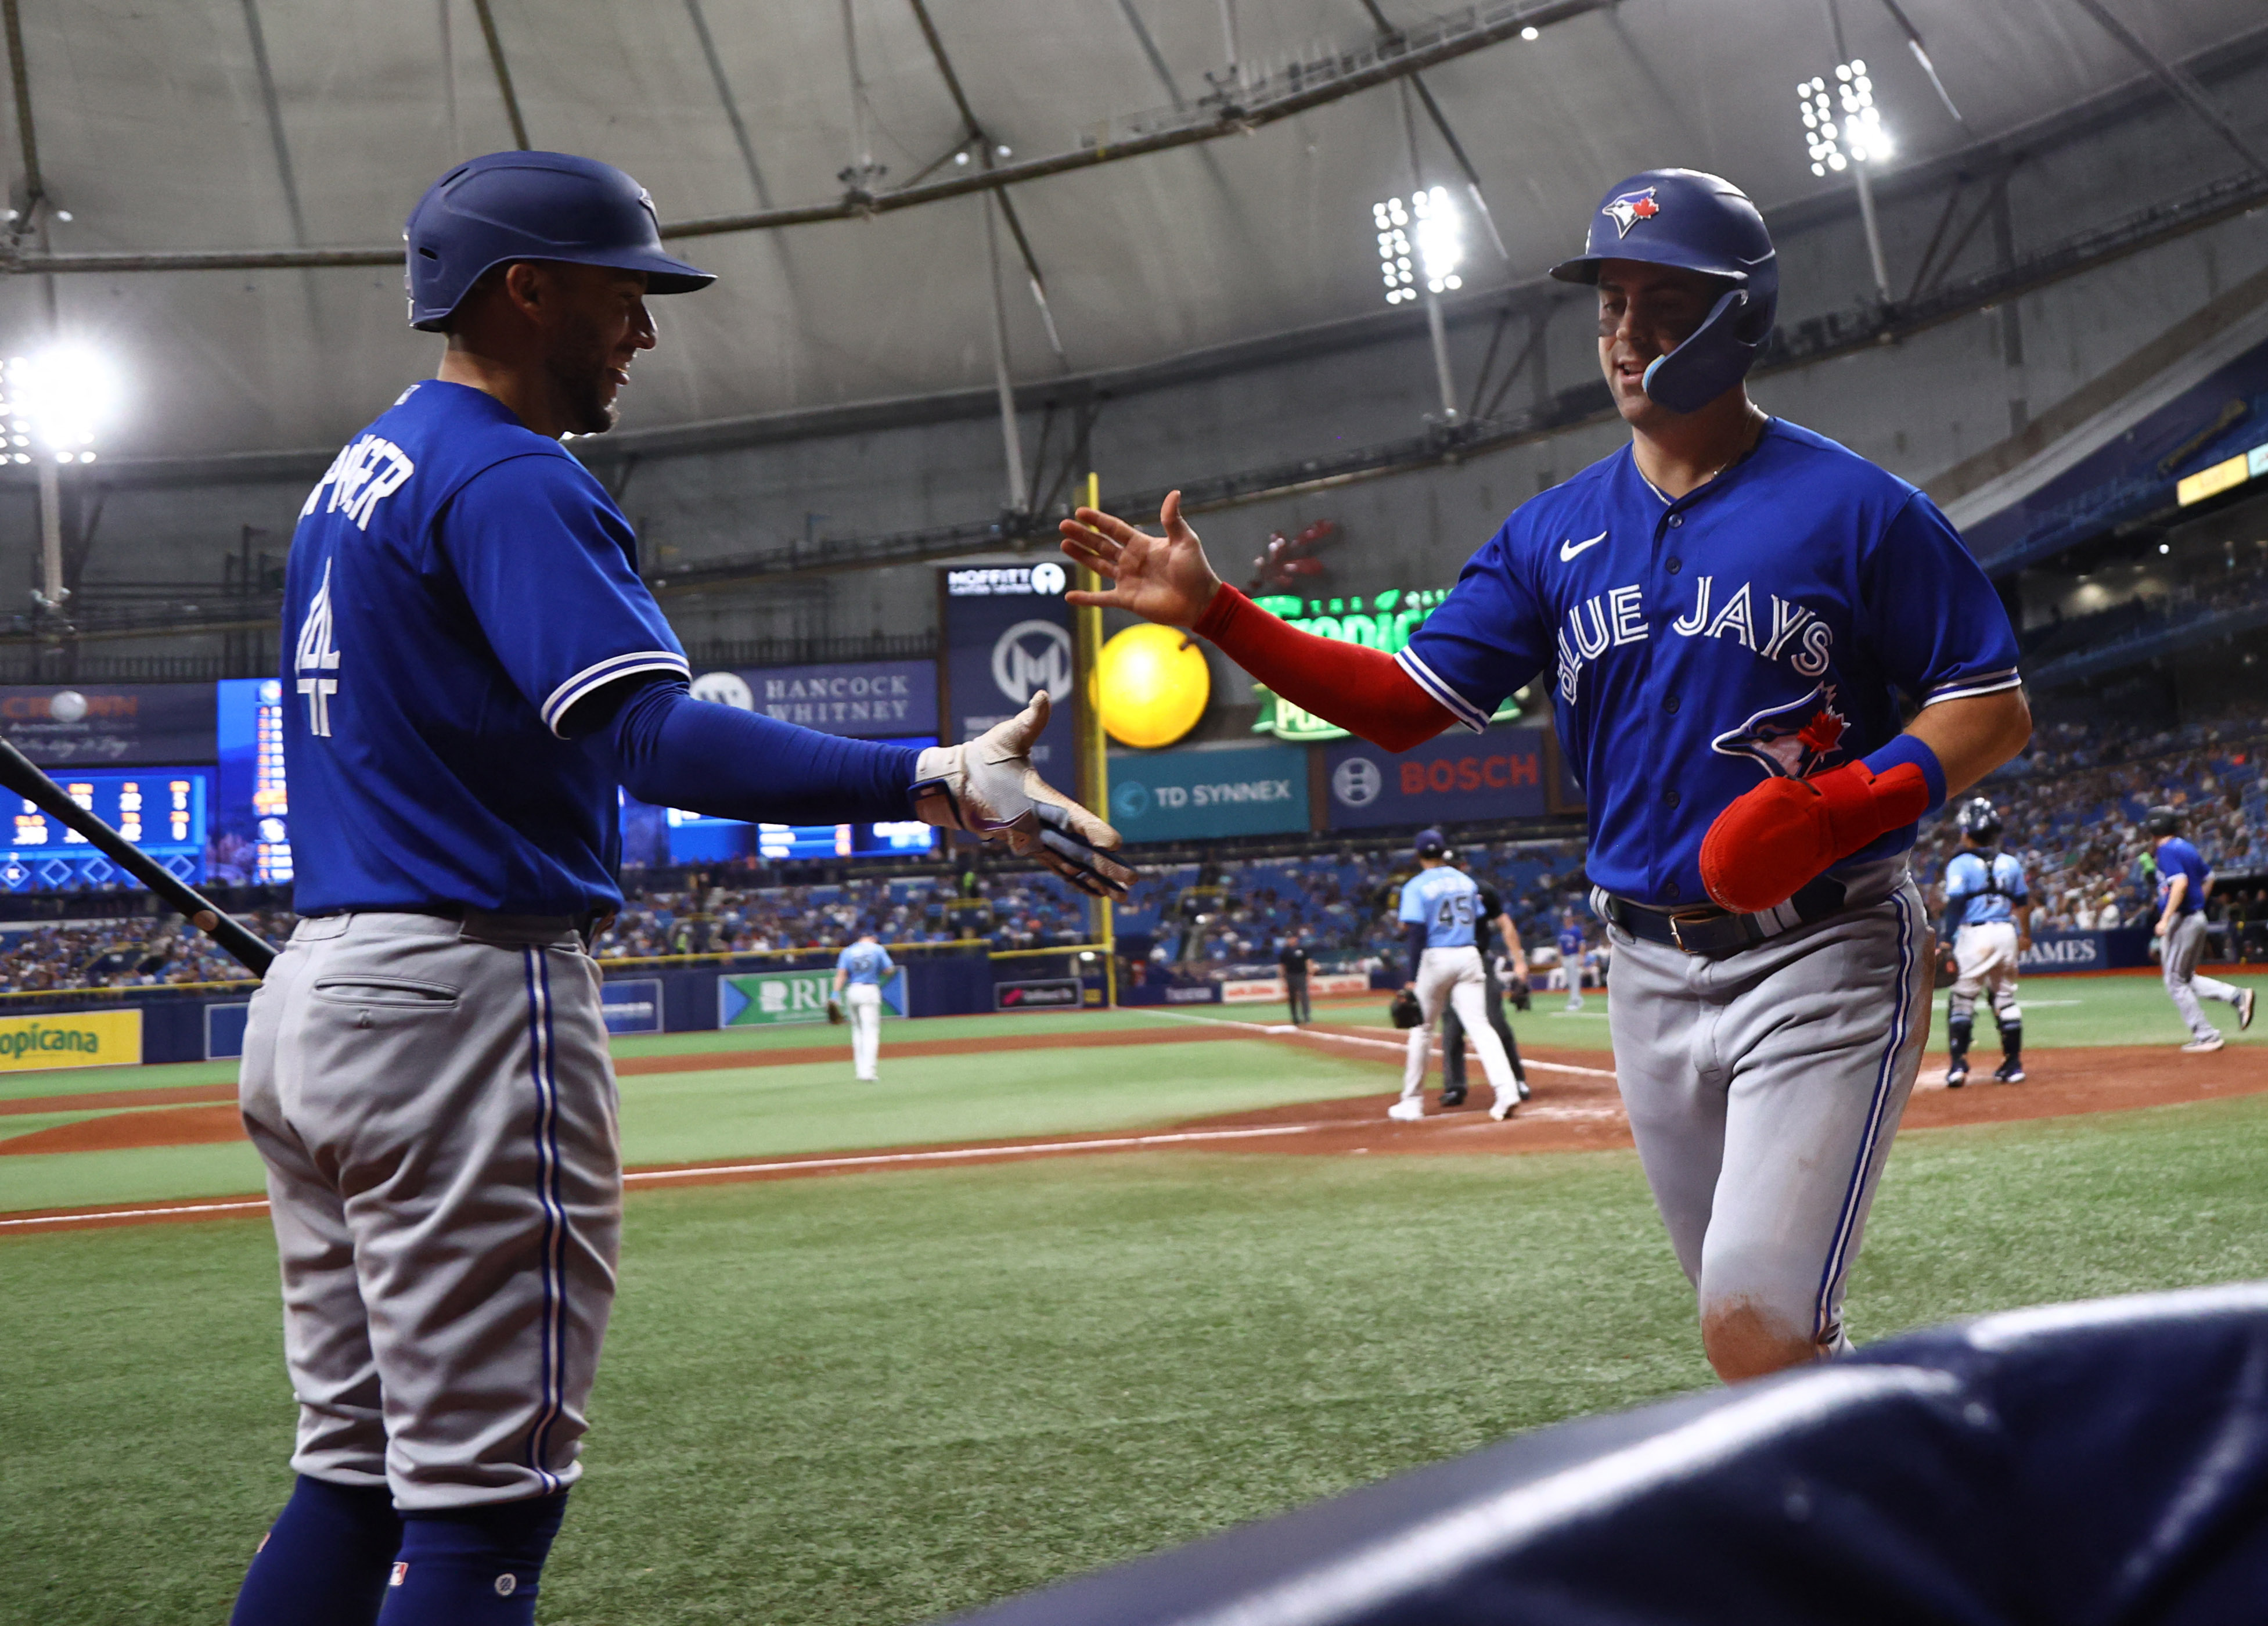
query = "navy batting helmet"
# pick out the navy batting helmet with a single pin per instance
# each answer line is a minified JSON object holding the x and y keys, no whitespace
{"x":2162,"y":820}
{"x":1702,"y":222}
{"x":1432,"y":844}
{"x":1980,"y":821}
{"x":513,"y":206}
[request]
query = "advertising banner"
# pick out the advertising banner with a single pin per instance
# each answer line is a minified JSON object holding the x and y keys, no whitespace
{"x":70,"y":1039}
{"x":633,"y":1006}
{"x":864,"y":700}
{"x":1264,"y":990}
{"x":1007,"y":632}
{"x":97,"y":723}
{"x":1460,"y":775}
{"x":1182,"y":795}
{"x":225,"y":1030}
{"x":2117,"y":949}
{"x":767,"y":998}
{"x":1055,"y":993}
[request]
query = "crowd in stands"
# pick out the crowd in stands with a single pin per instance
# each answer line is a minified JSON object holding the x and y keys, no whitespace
{"x":133,"y":953}
{"x":2071,"y":807}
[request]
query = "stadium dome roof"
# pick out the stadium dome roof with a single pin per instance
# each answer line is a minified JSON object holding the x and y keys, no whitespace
{"x":250,"y":125}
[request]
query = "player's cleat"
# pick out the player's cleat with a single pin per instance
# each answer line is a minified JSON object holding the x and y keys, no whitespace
{"x":2244,"y":1000}
{"x":1453,"y":1097}
{"x":1409,"y":1109}
{"x":2204,"y":1046}
{"x":1507,"y":1102}
{"x":1955,"y":1076}
{"x":1521,"y":1086}
{"x":2009,"y":1072}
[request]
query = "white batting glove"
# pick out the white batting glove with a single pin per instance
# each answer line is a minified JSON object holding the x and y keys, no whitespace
{"x":987,"y":787}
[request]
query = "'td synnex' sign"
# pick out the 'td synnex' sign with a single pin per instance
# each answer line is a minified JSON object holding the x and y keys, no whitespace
{"x":1496,"y":774}
{"x":1180,"y":795}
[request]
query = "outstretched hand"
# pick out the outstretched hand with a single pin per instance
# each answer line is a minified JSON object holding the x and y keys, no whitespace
{"x":1162,"y":578}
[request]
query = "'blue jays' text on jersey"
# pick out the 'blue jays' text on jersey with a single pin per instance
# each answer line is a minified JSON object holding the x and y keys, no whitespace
{"x":1446,"y":902}
{"x":2175,"y":857}
{"x":865,"y":962}
{"x":1988,"y":888}
{"x":1755,"y":627}
{"x":456,"y":583}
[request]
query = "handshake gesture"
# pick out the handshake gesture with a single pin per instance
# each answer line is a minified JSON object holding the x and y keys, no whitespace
{"x":987,"y":787}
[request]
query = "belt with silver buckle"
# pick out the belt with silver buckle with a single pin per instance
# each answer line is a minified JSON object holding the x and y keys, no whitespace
{"x":1721,"y":931}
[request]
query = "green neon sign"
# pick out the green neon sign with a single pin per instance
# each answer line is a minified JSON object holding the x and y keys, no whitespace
{"x":1380,"y":622}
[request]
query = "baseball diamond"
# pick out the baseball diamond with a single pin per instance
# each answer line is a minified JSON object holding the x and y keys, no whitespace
{"x":639,"y":817}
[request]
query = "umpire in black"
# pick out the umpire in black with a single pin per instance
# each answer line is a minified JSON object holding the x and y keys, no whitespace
{"x":1493,"y":922}
{"x":1293,"y":959}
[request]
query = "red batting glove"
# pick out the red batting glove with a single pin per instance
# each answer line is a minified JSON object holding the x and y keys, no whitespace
{"x":1776,"y":838}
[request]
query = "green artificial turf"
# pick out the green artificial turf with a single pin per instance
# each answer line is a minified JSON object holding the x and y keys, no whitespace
{"x":774,"y":1111}
{"x":877,"y":1398}
{"x":16,"y":1086}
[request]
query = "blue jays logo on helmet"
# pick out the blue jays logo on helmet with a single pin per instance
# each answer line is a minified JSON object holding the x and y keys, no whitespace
{"x":1629,"y":208}
{"x":1792,"y":741}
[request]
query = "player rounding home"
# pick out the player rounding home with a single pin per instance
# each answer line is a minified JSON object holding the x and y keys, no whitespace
{"x":474,"y":667}
{"x":860,"y":970}
{"x":1440,"y":918}
{"x":1988,"y":923}
{"x":2184,"y":884}
{"x":1728,"y":608}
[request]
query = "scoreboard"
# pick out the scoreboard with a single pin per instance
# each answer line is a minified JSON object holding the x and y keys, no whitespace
{"x":161,"y":810}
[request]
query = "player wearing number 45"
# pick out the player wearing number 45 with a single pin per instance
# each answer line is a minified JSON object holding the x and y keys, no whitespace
{"x":476,"y":666}
{"x":1729,"y":609}
{"x":1440,"y":910}
{"x":860,"y":970}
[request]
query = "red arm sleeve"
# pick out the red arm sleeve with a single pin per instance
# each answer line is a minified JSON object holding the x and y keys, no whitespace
{"x":1365,"y":691}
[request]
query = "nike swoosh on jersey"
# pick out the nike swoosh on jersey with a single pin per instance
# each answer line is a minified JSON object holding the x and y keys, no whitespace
{"x":1569,"y":549}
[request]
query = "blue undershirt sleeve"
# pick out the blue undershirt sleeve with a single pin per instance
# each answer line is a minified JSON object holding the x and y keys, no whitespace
{"x":674,"y":751}
{"x":1414,"y":932}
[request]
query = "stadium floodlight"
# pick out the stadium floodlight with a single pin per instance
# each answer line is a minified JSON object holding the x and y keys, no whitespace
{"x":1392,"y":223}
{"x":1835,"y":137}
{"x":55,"y":402}
{"x":1423,"y":238}
{"x":1440,"y":239}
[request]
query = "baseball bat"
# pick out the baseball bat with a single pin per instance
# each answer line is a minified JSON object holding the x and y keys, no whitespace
{"x":18,"y":772}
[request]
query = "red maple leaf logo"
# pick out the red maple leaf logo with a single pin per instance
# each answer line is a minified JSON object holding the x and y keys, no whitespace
{"x":1645,"y":208}
{"x":1821,"y":733}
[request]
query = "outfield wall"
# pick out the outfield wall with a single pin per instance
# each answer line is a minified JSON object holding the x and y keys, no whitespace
{"x":95,"y":1028}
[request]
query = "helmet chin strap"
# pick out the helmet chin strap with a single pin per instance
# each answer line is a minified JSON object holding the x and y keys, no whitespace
{"x":1712,"y":359}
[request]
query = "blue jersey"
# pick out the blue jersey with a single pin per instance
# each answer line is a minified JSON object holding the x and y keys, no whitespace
{"x":1446,"y":902}
{"x":865,"y":962}
{"x":1571,"y":941}
{"x":2175,"y":857}
{"x":456,"y":585}
{"x":1757,"y":626}
{"x":1987,"y":889}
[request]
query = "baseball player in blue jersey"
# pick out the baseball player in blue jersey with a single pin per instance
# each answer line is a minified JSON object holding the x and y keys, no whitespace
{"x":1988,"y":922}
{"x":1571,"y":958}
{"x":1729,"y":609}
{"x":2184,"y":883}
{"x":860,"y":970}
{"x":476,"y":667}
{"x":1440,"y":906}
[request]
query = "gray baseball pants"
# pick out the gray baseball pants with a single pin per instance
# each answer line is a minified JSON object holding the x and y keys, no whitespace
{"x":2185,"y":946}
{"x":1763,"y":1089}
{"x":436,"y":1106}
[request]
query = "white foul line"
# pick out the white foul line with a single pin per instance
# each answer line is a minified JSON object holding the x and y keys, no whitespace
{"x":139,"y":1213}
{"x":1396,"y":1045}
{"x":883,"y":1157}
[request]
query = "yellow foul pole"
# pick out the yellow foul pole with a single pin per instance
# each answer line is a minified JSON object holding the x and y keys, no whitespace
{"x":1093,"y":764}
